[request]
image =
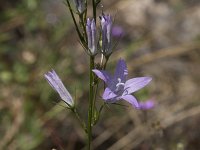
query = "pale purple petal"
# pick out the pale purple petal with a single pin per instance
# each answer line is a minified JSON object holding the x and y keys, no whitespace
{"x":89,"y":33}
{"x":134,"y":84}
{"x":105,"y":76}
{"x":106,"y":27}
{"x":131,"y":99}
{"x":94,"y":37}
{"x":121,"y":70}
{"x":104,"y":32}
{"x":91,"y":36}
{"x":58,"y":86}
{"x":108,"y":94}
{"x":109,"y":27}
{"x":117,"y":31}
{"x":149,"y":104}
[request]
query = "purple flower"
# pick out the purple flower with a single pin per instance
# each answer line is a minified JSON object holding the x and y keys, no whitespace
{"x":106,"y":27}
{"x":80,"y":5}
{"x":118,"y":87}
{"x":91,"y":36}
{"x":117,"y":31}
{"x":149,"y":104}
{"x":58,"y":86}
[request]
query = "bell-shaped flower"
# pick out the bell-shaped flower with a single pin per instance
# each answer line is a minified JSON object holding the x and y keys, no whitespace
{"x":118,"y":87}
{"x":80,"y":5}
{"x":106,"y":31}
{"x":58,"y":86}
{"x":91,"y":36}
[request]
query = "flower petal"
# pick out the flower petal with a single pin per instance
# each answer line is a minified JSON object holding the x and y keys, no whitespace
{"x":131,"y":99}
{"x":108,"y":94}
{"x":105,"y":76}
{"x":121,"y":70}
{"x":135,"y":84}
{"x":58,"y":86}
{"x":149,"y":104}
{"x":91,"y":36}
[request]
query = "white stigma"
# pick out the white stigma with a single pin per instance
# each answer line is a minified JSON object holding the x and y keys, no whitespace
{"x":119,"y":84}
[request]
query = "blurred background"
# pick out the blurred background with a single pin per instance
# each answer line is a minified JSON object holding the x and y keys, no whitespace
{"x":160,"y":38}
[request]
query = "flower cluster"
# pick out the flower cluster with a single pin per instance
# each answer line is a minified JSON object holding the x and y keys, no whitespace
{"x":105,"y":32}
{"x":118,"y":86}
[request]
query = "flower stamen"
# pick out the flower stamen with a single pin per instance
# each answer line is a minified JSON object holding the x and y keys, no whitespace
{"x":119,"y":85}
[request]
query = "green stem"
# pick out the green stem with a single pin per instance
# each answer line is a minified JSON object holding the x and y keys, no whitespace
{"x":82,"y":123}
{"x":105,"y":64}
{"x":85,"y":14}
{"x":94,"y":9}
{"x":74,"y":20}
{"x":91,"y":98}
{"x":95,"y":93}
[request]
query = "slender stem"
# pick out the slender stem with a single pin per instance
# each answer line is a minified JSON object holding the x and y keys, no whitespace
{"x":82,"y":123}
{"x":91,"y":98}
{"x":85,"y":14}
{"x":94,"y":9}
{"x":74,"y":20}
{"x":95,"y":93}
{"x":104,"y":68}
{"x":105,"y":64}
{"x":102,"y":58}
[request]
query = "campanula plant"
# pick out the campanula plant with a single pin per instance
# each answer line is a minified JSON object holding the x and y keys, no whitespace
{"x":98,"y":42}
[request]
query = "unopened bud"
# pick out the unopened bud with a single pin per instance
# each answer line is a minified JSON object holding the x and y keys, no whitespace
{"x":106,"y":27}
{"x":80,"y":5}
{"x":91,"y":36}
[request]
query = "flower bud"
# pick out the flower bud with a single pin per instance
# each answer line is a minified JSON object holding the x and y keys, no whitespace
{"x":106,"y":26}
{"x":58,"y":86}
{"x":91,"y":36}
{"x":80,"y":5}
